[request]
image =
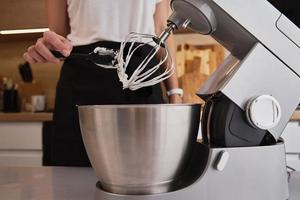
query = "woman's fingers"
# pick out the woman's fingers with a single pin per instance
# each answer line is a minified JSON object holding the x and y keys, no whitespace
{"x":41,"y":51}
{"x":44,"y":51}
{"x":28,"y":58}
{"x":35,"y":55}
{"x":58,"y":43}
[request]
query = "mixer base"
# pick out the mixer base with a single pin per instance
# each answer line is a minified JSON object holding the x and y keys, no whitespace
{"x":245,"y":173}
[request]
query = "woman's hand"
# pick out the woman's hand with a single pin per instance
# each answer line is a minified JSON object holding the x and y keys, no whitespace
{"x":41,"y":51}
{"x":175,"y":99}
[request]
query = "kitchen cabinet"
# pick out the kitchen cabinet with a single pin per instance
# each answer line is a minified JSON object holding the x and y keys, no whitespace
{"x":21,"y":138}
{"x":21,"y":143}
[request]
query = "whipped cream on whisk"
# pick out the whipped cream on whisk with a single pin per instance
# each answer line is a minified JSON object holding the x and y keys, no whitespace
{"x":144,"y":75}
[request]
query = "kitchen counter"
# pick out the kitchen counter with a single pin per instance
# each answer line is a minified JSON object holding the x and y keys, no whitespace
{"x":63,"y":183}
{"x":25,"y":117}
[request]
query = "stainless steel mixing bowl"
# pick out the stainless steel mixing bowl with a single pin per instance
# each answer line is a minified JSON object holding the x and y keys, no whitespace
{"x":139,"y":149}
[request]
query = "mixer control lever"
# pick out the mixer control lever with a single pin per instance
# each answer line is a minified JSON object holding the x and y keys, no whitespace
{"x":222,"y":160}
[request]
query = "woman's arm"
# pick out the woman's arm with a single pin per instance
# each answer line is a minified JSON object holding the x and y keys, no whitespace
{"x":160,"y":18}
{"x":58,"y":20}
{"x":54,"y":39}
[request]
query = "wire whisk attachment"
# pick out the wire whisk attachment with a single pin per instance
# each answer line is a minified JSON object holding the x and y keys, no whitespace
{"x":146,"y":73}
{"x":155,"y":63}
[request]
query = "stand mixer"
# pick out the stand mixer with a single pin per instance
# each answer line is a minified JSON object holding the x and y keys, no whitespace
{"x":248,"y":102}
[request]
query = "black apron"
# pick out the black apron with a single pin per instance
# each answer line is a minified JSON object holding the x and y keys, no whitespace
{"x":84,"y":83}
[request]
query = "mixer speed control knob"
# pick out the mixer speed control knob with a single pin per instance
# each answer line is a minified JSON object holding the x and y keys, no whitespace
{"x":263,"y":112}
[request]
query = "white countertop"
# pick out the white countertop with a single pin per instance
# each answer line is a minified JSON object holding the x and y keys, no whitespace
{"x":67,"y":183}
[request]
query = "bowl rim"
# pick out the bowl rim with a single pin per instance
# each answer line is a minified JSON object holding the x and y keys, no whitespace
{"x":140,"y":105}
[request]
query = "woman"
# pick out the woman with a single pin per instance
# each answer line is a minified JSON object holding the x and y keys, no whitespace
{"x":80,"y":26}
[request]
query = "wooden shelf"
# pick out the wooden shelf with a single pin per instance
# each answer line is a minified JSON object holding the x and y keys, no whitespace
{"x":25,"y":117}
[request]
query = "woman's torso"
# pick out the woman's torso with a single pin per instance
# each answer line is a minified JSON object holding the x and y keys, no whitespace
{"x":112,"y":20}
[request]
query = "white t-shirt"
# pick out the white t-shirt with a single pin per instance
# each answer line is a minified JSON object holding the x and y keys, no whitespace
{"x":96,"y":20}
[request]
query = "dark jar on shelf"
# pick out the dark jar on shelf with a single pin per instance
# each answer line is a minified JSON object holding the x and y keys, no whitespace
{"x":10,"y":100}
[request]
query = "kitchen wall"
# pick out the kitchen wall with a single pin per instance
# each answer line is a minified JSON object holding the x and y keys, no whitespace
{"x":11,"y":51}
